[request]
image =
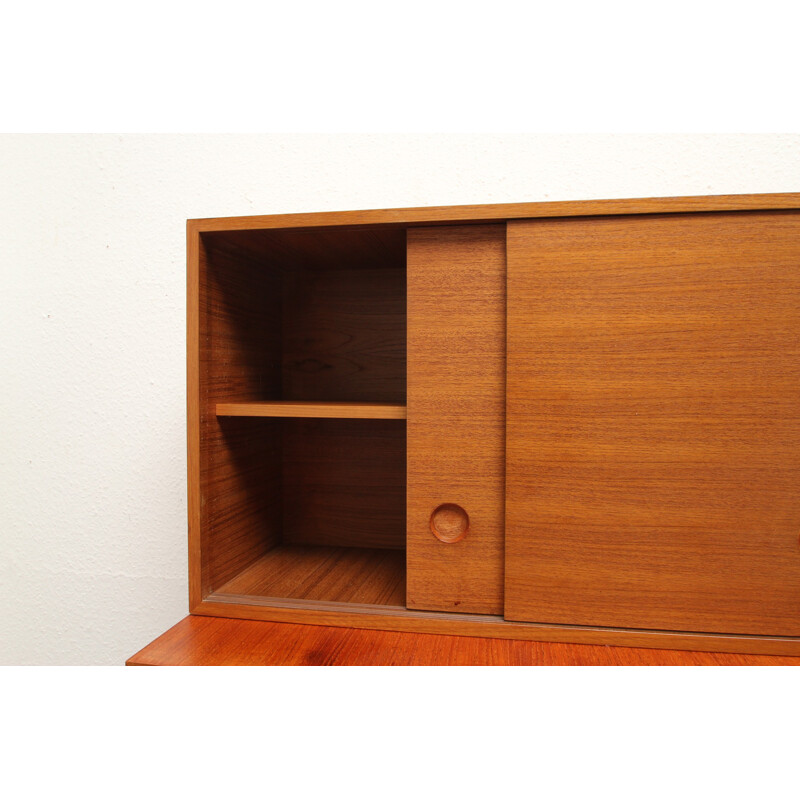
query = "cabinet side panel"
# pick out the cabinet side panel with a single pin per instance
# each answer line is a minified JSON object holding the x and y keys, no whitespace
{"x":238,"y":505}
{"x":456,"y":415}
{"x":653,"y":447}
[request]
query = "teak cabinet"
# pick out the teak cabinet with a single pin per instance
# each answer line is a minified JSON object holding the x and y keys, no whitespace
{"x":560,"y":421}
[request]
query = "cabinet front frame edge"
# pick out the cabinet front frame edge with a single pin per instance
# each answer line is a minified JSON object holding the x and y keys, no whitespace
{"x":193,"y":246}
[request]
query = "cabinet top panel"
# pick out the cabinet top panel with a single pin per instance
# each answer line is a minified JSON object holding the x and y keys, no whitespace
{"x":442,"y":215}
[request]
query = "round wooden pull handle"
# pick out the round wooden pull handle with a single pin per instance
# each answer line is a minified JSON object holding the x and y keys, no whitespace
{"x":449,"y":523}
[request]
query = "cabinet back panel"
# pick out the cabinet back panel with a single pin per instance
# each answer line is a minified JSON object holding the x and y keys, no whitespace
{"x":344,"y":335}
{"x":344,"y":482}
{"x":456,"y":417}
{"x":653,"y":412}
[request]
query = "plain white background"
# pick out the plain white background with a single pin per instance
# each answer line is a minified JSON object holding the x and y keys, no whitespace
{"x":92,"y":334}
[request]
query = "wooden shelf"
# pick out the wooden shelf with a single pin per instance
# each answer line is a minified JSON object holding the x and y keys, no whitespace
{"x":301,"y":408}
{"x":359,"y":575}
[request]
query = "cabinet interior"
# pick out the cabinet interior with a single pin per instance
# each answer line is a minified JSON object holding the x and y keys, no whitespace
{"x":303,"y":392}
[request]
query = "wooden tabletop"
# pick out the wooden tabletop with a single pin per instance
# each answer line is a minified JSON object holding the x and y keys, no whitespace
{"x":215,"y":641}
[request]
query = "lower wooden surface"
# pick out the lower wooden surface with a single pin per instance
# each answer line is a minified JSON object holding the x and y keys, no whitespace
{"x":336,"y":574}
{"x":485,"y":626}
{"x":216,"y":641}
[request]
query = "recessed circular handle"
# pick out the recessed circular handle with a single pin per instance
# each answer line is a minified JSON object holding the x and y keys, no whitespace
{"x":449,"y":523}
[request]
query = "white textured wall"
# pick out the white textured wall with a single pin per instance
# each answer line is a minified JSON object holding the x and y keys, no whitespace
{"x":92,"y":464}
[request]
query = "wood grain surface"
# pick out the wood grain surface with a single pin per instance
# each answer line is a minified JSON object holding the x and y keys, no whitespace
{"x":214,"y":641}
{"x":456,"y":405}
{"x":344,"y":334}
{"x":653,"y":446}
{"x":233,"y":354}
{"x":336,"y":574}
{"x":319,"y":410}
{"x":343,"y":482}
{"x":492,"y":213}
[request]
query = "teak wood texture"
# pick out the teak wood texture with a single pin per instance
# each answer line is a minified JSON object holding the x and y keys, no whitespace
{"x":234,"y":328}
{"x":456,"y":414}
{"x":653,"y":448}
{"x":213,"y":641}
{"x":344,"y":334}
{"x":600,"y":398}
{"x":335,"y":574}
{"x":343,"y":482}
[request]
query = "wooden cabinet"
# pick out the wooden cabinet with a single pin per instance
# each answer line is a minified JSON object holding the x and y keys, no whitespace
{"x":561,"y":421}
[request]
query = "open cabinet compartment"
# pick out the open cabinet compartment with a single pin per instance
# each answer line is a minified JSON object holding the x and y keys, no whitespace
{"x":296,"y":327}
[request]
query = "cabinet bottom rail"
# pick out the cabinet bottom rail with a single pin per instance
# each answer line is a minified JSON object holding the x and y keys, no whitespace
{"x":396,"y":618}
